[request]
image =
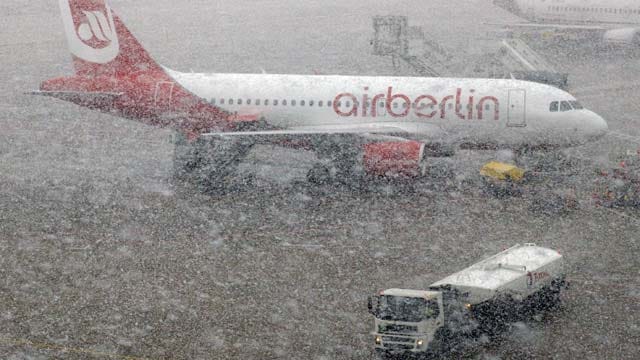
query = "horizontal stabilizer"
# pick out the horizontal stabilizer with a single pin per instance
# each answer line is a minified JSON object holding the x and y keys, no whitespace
{"x":75,"y":96}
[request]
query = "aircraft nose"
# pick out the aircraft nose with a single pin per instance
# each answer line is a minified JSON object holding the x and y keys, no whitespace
{"x":600,"y":126}
{"x":597,"y":125}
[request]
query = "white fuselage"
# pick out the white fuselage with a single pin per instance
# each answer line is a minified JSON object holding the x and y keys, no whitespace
{"x":477,"y":111}
{"x":581,"y":11}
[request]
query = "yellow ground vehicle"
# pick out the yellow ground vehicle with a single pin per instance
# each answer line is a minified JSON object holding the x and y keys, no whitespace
{"x":543,"y":192}
{"x":502,"y":179}
{"x":502,"y":171}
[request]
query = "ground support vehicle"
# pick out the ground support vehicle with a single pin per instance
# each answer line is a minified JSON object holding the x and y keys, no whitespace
{"x":619,"y":187}
{"x":475,"y":303}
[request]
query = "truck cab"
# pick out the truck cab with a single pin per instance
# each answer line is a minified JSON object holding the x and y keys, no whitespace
{"x":406,"y":320}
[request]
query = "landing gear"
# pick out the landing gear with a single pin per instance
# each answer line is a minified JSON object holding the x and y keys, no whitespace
{"x":319,"y":174}
{"x":210,"y":163}
{"x":336,"y":175}
{"x":338,"y":164}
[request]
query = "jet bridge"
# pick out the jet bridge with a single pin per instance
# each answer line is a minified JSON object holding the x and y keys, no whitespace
{"x":494,"y":56}
{"x":513,"y":58}
{"x":407,"y":45}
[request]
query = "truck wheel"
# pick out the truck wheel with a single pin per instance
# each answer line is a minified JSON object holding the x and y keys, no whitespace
{"x":553,"y":299}
{"x":441,"y":346}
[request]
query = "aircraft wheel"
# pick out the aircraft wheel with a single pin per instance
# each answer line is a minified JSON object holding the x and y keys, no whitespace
{"x":319,"y":174}
{"x":185,"y":159}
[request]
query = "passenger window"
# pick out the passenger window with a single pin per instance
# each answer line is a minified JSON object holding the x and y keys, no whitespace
{"x":293,"y":103}
{"x":329,"y":103}
{"x":310,"y":102}
{"x":347,"y":104}
{"x":222,"y":101}
{"x":266,"y":102}
{"x":381,"y":104}
{"x":339,"y":104}
{"x":284,"y":102}
{"x":230,"y":101}
{"x":275,"y":102}
{"x":257,"y":101}
{"x":212,"y":101}
{"x":320,"y":103}
{"x":248,"y":101}
{"x":487,"y":107}
{"x":301,"y":102}
{"x":239,"y":101}
{"x":553,"y":107}
{"x":564,"y":106}
{"x":395,"y":105}
{"x":450,"y":106}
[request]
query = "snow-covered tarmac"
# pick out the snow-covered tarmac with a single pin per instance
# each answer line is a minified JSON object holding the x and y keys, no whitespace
{"x":103,"y":257}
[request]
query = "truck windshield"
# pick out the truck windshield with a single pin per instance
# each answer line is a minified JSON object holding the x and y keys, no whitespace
{"x":409,"y":309}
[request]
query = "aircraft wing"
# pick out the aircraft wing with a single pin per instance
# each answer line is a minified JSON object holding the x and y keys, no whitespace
{"x":534,"y":26}
{"x":355,"y":134}
{"x":314,"y":130}
{"x":383,"y":131}
{"x":324,"y":139}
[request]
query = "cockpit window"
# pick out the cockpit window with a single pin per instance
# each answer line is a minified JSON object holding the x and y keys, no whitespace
{"x":576,"y":105}
{"x":565,"y":106}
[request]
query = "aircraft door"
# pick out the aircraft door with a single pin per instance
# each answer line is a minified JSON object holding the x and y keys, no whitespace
{"x":629,"y":13}
{"x":516,"y":112}
{"x":163,"y":94}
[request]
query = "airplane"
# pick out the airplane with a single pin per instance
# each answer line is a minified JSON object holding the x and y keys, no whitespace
{"x":381,"y":126}
{"x":618,"y":21}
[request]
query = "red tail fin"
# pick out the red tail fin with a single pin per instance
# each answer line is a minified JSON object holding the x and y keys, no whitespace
{"x":99,"y":41}
{"x":115,"y":74}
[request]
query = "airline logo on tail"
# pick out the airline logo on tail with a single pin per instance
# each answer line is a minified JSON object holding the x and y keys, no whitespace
{"x":90,"y":30}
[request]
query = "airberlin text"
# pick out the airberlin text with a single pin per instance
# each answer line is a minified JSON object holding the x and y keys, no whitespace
{"x":423,"y":106}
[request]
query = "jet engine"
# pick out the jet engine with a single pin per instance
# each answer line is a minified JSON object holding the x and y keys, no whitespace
{"x":398,"y":158}
{"x":624,"y":36}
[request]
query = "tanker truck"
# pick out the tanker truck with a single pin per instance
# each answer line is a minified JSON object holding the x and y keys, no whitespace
{"x":472,"y":305}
